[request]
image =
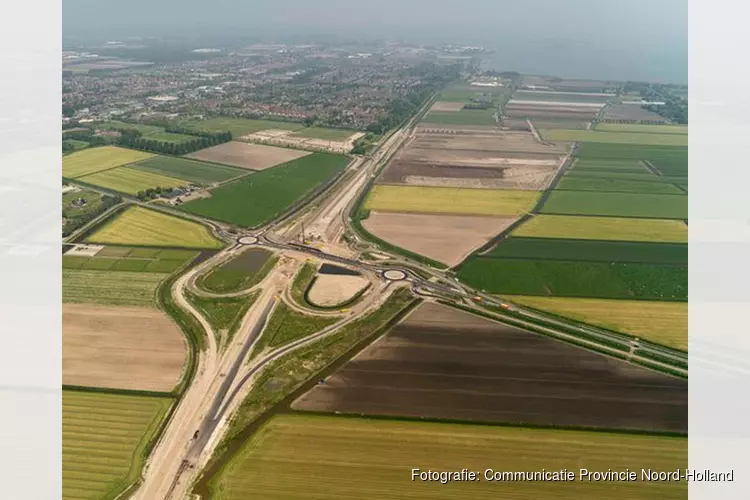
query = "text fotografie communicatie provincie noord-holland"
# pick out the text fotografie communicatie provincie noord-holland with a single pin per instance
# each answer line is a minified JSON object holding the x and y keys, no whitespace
{"x":565,"y":475}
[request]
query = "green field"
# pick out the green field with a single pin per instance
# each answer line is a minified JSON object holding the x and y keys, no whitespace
{"x":661,"y":322}
{"x":328,"y":457}
{"x":591,"y":250}
{"x":240,"y":126}
{"x":615,"y":185}
{"x":671,"y":166}
{"x":170,"y":137}
{"x":189,"y":170}
{"x":140,"y":226}
{"x":258,"y":198}
{"x":145,"y":130}
{"x":671,"y":155}
{"x":104,"y":440}
{"x":225,"y":313}
{"x":463,"y":117}
{"x":576,"y":279}
{"x":619,"y":175}
{"x":610,"y":165}
{"x":94,"y":160}
{"x":657,"y":206}
{"x":130,"y":180}
{"x":450,"y":200}
{"x":327,"y":134}
{"x":127,"y":259}
{"x":74,"y":145}
{"x":239,"y":273}
{"x":287,"y":325}
{"x":604,"y":228}
{"x":614,"y":137}
{"x":650,"y":129}
{"x":117,"y":288}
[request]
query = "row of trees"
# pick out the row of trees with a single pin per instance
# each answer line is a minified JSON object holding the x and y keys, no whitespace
{"x":151,"y":193}
{"x":199,"y":140}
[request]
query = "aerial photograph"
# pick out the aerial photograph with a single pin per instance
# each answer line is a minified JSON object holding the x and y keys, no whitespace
{"x":403,"y":250}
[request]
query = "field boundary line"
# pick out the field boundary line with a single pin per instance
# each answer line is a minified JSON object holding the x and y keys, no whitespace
{"x":118,"y":391}
{"x":482,"y":423}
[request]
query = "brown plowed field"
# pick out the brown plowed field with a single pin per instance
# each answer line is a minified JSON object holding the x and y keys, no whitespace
{"x":561,"y":123}
{"x":550,"y":112}
{"x":249,"y":156}
{"x":445,"y":238}
{"x":521,"y":174}
{"x":630,"y":112}
{"x":458,"y":129}
{"x":121,"y":348}
{"x":472,"y":157}
{"x":447,"y":106}
{"x":445,"y":363}
{"x":516,"y":141}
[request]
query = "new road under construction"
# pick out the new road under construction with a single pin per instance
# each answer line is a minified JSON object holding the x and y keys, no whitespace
{"x":322,"y":228}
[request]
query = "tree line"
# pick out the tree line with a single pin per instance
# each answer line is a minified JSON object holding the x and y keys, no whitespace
{"x":134,"y":139}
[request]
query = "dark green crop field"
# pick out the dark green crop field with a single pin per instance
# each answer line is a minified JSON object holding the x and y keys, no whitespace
{"x":662,"y":206}
{"x":576,"y":279}
{"x":608,"y":183}
{"x":591,"y":250}
{"x":670,"y":154}
{"x":259,"y":197}
{"x":628,"y":176}
{"x":189,"y":170}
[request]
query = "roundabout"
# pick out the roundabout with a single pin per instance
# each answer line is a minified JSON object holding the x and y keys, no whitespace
{"x":248,"y":240}
{"x":394,"y":275}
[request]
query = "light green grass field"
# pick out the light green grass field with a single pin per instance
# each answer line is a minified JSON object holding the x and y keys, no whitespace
{"x":604,"y":228}
{"x":649,"y":129}
{"x":104,"y":438}
{"x":116,"y":288}
{"x":597,"y":136}
{"x":131,"y":180}
{"x":450,"y":200}
{"x":240,"y":126}
{"x":170,"y":137}
{"x":463,"y":117}
{"x":661,"y":322}
{"x":657,"y":206}
{"x":144,"y":129}
{"x":141,"y":226}
{"x":93,"y":160}
{"x":327,"y":134}
{"x":322,"y":457}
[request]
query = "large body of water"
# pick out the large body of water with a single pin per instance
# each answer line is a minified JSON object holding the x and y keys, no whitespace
{"x":588,"y":60}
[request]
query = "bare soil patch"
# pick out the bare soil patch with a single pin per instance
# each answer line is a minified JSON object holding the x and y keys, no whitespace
{"x":249,"y":156}
{"x":492,"y":173}
{"x":288,"y":139}
{"x":121,"y":347}
{"x":444,"y":363}
{"x":506,"y":141}
{"x":447,"y":106}
{"x":80,"y":250}
{"x":444,"y":238}
{"x":330,"y":290}
{"x":559,"y":112}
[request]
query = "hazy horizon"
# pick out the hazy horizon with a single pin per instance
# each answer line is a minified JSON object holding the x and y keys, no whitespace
{"x":637,"y":40}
